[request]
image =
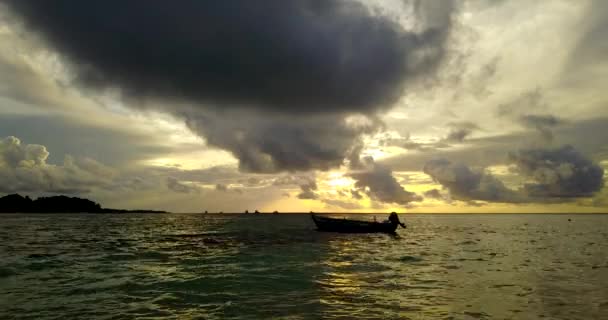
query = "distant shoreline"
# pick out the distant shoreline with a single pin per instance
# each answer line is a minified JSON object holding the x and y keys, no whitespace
{"x":18,"y":204}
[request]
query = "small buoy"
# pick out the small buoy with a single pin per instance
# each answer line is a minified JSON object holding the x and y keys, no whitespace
{"x":569,"y":219}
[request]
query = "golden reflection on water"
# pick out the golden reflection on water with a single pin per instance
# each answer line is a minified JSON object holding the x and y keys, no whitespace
{"x":338,"y":283}
{"x":379,"y":276}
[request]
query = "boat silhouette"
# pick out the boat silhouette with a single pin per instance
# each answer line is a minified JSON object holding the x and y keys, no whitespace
{"x":357,"y":226}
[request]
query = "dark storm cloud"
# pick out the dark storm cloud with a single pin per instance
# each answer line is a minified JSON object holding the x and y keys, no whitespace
{"x":379,"y":183}
{"x":274,"y":143}
{"x":273,"y":82}
{"x":465,"y":183}
{"x":562,"y":172}
{"x":286,"y":56}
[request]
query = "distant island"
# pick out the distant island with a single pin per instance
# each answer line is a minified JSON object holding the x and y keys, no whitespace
{"x":16,"y":203}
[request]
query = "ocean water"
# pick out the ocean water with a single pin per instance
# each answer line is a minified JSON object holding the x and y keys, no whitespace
{"x":188,"y":266}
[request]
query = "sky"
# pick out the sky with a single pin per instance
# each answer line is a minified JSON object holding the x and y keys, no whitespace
{"x":296,"y":106}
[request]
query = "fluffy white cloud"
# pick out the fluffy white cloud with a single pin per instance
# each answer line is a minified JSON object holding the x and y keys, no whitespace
{"x":24,"y":168}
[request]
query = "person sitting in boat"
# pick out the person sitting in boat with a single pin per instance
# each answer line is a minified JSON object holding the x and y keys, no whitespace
{"x":394,"y":218}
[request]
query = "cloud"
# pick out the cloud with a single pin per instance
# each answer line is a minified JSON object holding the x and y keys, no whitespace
{"x":24,"y":168}
{"x":217,"y":174}
{"x":175,"y":185}
{"x":561,"y":172}
{"x":459,"y":131}
{"x":72,"y":136}
{"x":274,"y":143}
{"x":544,"y":124}
{"x":529,"y":101}
{"x":409,"y":144}
{"x":543,"y":121}
{"x":308,"y":190}
{"x":379,"y":183}
{"x":465,"y":183}
{"x":288,"y":56}
{"x":433,"y":194}
{"x":286,"y":180}
{"x":276,"y":83}
{"x":553,"y":175}
{"x":307,"y":184}
{"x":588,"y":56}
{"x":493,"y":150}
{"x":251,"y":182}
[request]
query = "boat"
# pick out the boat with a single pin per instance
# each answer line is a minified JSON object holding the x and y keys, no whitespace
{"x":344,"y":225}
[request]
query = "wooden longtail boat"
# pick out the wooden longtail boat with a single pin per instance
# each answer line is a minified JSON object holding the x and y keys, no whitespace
{"x":357,"y":226}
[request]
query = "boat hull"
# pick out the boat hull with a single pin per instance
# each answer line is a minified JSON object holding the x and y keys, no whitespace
{"x":352,"y":226}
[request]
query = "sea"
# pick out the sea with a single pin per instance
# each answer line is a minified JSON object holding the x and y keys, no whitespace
{"x":265,"y":266}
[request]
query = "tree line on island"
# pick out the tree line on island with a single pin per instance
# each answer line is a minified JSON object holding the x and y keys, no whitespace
{"x":16,"y":203}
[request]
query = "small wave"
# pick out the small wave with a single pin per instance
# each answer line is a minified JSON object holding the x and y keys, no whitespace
{"x":40,"y":255}
{"x":468,"y":242}
{"x":153,"y":255}
{"x":120,"y":257}
{"x":211,"y":241}
{"x":471,"y":259}
{"x":42,"y":265}
{"x":195,"y":235}
{"x":409,"y":259}
{"x":477,"y":315}
{"x":6,"y":272}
